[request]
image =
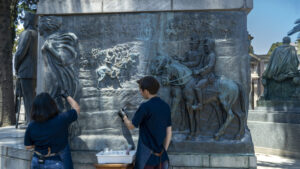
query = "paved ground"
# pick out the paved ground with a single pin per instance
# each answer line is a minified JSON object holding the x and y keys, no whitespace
{"x":275,"y":162}
{"x":9,"y":136}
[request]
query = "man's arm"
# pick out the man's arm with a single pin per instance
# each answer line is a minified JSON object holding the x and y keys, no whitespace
{"x":210,"y":67}
{"x":29,"y":147}
{"x":128,"y":123}
{"x":168,"y":137}
{"x":193,"y":63}
{"x":23,"y":46}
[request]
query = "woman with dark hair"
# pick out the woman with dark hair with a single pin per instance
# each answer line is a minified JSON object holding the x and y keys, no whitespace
{"x":47,"y":133}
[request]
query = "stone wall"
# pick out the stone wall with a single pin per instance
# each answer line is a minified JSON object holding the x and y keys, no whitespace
{"x":13,"y":157}
{"x":140,"y":37}
{"x":116,"y":43}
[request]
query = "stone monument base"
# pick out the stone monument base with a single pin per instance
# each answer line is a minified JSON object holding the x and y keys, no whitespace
{"x":275,"y":127}
{"x":185,"y":160}
{"x":204,"y":145}
{"x":13,"y":155}
{"x":213,"y":161}
{"x":17,"y":157}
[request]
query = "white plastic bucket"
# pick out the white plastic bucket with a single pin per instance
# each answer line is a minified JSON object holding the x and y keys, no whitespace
{"x":115,"y":157}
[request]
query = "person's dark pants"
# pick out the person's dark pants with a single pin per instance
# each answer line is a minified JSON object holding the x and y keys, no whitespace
{"x":164,"y":165}
{"x":28,"y":94}
{"x":66,"y":157}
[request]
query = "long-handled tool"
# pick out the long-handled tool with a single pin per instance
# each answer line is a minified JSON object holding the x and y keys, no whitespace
{"x":18,"y":99}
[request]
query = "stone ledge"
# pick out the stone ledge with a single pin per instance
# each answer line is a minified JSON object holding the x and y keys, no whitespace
{"x":189,"y":160}
{"x":180,"y":160}
{"x":229,"y":161}
{"x":20,"y":158}
{"x":57,"y":7}
{"x":19,"y":153}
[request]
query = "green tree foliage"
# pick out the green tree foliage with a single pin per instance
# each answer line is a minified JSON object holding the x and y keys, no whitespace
{"x":274,"y":45}
{"x":18,"y":32}
{"x":18,"y":9}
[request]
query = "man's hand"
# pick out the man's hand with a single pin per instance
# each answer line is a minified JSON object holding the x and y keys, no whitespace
{"x":122,"y":113}
{"x":30,"y":147}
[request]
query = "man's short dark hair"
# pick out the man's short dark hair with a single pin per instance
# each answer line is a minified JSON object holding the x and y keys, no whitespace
{"x":149,"y":83}
{"x":43,"y":108}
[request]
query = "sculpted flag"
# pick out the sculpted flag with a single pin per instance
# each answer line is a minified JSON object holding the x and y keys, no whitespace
{"x":60,"y":55}
{"x":283,"y":63}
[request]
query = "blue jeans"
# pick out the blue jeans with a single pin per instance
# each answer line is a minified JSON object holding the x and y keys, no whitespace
{"x":49,"y":164}
{"x":66,"y":158}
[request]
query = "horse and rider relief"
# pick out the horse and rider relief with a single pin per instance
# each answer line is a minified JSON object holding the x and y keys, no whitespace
{"x":203,"y":105}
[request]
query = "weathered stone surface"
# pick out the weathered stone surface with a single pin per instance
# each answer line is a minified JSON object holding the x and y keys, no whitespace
{"x":189,"y":160}
{"x":278,"y":106}
{"x":114,"y":56}
{"x":3,"y":150}
{"x":84,"y":157}
{"x":19,"y":153}
{"x":2,"y":162}
{"x":186,"y":160}
{"x":281,"y":136}
{"x":136,"y":5}
{"x":119,"y":49}
{"x":104,"y":6}
{"x":252,"y":162}
{"x":211,"y":4}
{"x":15,"y":163}
{"x":205,"y":145}
{"x":99,"y":142}
{"x":69,"y":6}
{"x":274,"y":116}
{"x":229,"y":161}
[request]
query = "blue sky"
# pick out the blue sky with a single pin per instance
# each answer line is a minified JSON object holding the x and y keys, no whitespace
{"x":270,"y":20}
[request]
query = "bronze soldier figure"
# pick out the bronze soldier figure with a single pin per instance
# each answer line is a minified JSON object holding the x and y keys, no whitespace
{"x":26,"y":61}
{"x":206,"y":72}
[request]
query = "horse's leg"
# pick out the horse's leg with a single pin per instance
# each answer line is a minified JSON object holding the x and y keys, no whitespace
{"x":241,"y":124}
{"x":229,"y":118}
{"x":189,"y":99}
{"x":199,"y":93}
{"x":176,"y":114}
{"x":192,"y":119}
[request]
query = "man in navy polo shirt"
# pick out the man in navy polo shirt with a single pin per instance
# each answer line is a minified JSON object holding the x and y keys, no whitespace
{"x":153,"y":118}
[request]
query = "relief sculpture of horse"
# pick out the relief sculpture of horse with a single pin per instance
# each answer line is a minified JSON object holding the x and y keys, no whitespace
{"x":229,"y":94}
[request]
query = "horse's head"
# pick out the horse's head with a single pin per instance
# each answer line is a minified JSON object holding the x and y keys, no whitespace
{"x":159,"y":64}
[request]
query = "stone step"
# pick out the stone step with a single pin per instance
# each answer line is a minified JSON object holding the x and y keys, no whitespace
{"x":261,"y":110}
{"x":99,"y":142}
{"x":278,"y":105}
{"x":282,"y":117}
{"x":278,"y":109}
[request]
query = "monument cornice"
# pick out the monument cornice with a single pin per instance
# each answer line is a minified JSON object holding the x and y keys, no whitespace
{"x":65,"y":7}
